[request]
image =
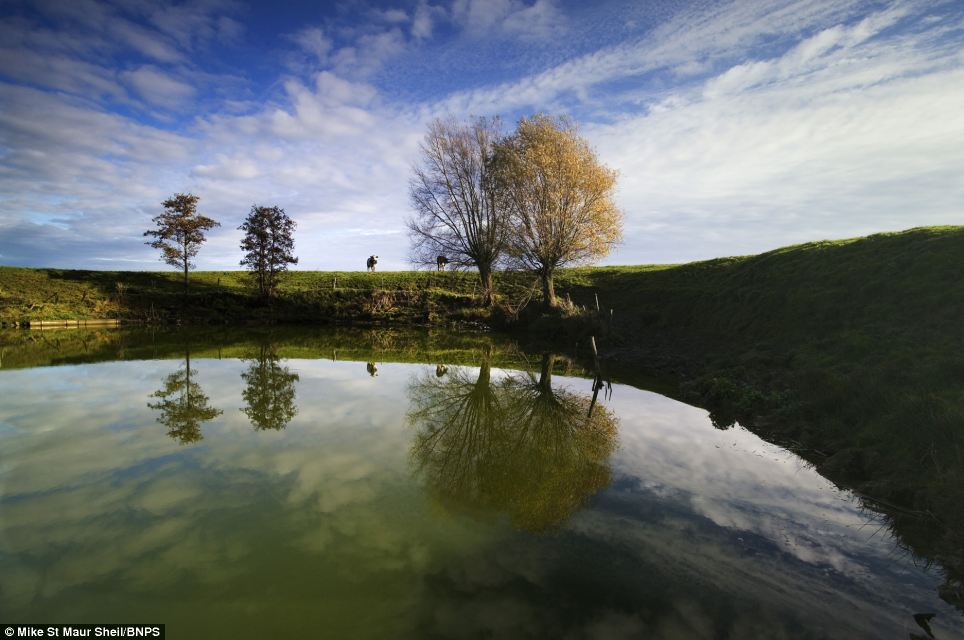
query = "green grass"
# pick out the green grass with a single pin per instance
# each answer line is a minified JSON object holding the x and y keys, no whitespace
{"x":228,"y":296}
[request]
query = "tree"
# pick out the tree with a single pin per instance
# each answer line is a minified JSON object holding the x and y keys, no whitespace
{"x":560,"y":199}
{"x":269,"y":394}
{"x":457,"y":209}
{"x":268,"y":245}
{"x":180,"y":231}
{"x":183,"y":405}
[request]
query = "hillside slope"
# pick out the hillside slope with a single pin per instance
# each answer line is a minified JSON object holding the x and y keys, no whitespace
{"x":851,"y":353}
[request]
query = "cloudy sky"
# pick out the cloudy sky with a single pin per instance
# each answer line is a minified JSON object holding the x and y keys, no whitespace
{"x":736,"y":127}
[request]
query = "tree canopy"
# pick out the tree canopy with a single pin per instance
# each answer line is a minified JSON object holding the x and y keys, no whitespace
{"x":268,"y":244}
{"x":458,"y":214}
{"x":559,"y":197}
{"x":179,"y":231}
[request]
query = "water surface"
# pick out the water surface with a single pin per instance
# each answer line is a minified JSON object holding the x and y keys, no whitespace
{"x":417,"y":489}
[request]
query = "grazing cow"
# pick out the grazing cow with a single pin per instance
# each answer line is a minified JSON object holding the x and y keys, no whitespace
{"x":372,"y":369}
{"x":372,"y":261}
{"x":440,"y":370}
{"x":441,"y":261}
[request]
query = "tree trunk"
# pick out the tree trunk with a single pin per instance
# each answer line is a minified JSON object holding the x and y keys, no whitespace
{"x":545,"y":375}
{"x":185,"y":276}
{"x":548,"y":290}
{"x":485,"y":375}
{"x":485,"y":274}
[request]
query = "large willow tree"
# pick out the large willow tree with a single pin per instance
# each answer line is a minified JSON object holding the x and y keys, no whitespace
{"x":457,"y":209}
{"x":560,"y":199}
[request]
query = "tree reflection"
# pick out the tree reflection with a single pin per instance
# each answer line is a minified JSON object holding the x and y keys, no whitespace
{"x":458,"y":419}
{"x":270,"y":392}
{"x":182,"y":404}
{"x":516,"y":446}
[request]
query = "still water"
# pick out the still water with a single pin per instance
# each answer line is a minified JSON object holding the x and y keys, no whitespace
{"x":303,"y":486}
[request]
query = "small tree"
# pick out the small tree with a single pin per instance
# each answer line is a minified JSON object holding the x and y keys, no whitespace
{"x":457,"y":212}
{"x":268,"y":244}
{"x":180,"y":231}
{"x":560,"y":199}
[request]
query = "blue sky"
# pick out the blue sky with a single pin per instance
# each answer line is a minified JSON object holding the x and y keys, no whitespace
{"x":736,"y":127}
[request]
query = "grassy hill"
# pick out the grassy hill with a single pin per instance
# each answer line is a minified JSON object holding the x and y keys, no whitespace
{"x":849,"y":352}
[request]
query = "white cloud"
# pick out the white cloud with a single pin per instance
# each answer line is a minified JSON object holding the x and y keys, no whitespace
{"x":423,"y":22}
{"x":393,"y":16}
{"x":369,"y":53}
{"x":825,"y":141}
{"x":314,"y":41}
{"x":158,"y":87}
{"x":516,"y":18}
{"x":736,"y":127}
{"x":540,"y":21}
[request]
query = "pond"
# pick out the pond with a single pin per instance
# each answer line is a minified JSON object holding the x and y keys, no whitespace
{"x":382,"y":484}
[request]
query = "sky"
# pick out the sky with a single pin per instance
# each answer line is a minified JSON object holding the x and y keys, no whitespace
{"x":736,"y":127}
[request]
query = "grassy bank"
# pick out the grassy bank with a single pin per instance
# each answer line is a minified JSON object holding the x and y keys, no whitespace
{"x":849,"y":352}
{"x":228,"y":297}
{"x":25,"y":349}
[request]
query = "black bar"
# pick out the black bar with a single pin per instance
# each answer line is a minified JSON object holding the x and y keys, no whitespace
{"x":62,"y":630}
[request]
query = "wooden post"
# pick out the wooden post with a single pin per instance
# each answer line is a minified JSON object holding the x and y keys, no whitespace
{"x":597,"y":379}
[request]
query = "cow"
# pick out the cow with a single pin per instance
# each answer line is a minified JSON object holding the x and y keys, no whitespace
{"x":372,"y":261}
{"x":372,"y":369}
{"x":441,"y":261}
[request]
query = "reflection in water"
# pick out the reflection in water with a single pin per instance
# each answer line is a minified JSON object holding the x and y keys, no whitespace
{"x":372,"y":369}
{"x":599,"y":384}
{"x":697,"y":533}
{"x":183,"y":405}
{"x":269,"y":394}
{"x":515,"y":446}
